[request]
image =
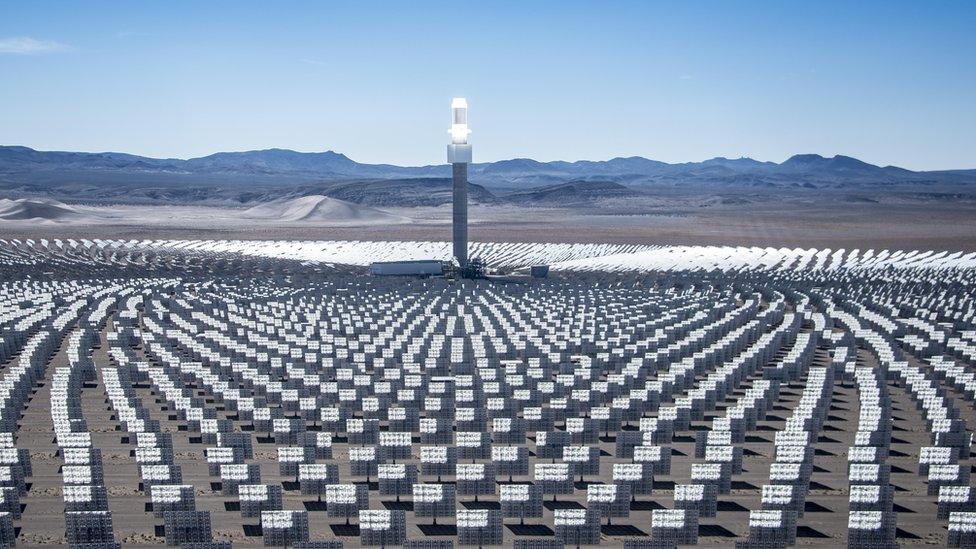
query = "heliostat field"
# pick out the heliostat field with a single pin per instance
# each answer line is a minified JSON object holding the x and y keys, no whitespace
{"x":218,"y":393}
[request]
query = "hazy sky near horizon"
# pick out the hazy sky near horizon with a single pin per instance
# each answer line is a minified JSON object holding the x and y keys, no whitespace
{"x":886,"y":81}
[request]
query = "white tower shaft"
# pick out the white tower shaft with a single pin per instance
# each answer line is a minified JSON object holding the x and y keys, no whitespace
{"x":459,"y":156}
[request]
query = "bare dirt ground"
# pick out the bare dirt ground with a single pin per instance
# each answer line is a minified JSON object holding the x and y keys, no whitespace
{"x":935,"y":226}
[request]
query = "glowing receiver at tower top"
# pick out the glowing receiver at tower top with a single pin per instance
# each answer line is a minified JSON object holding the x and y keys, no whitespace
{"x":459,"y":152}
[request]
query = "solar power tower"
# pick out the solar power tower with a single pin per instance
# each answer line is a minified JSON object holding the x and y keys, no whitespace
{"x":459,"y":155}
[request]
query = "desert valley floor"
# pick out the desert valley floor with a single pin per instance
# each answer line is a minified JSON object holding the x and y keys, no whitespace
{"x":805,"y":220}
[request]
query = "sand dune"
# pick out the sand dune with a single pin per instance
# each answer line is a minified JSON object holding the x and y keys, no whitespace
{"x":40,"y":210}
{"x":316,"y":208}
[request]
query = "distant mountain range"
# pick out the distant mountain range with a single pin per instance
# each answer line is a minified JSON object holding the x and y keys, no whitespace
{"x":246,"y":177}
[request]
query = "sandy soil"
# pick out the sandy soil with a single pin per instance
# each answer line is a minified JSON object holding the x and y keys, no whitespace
{"x":938,"y":226}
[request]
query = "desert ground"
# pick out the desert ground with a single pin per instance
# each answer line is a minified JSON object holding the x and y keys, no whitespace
{"x":894,"y":225}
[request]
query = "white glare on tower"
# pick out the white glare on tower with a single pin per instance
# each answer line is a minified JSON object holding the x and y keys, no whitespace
{"x":459,"y":156}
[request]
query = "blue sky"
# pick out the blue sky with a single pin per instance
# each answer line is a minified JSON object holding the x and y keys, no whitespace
{"x":888,"y":82}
